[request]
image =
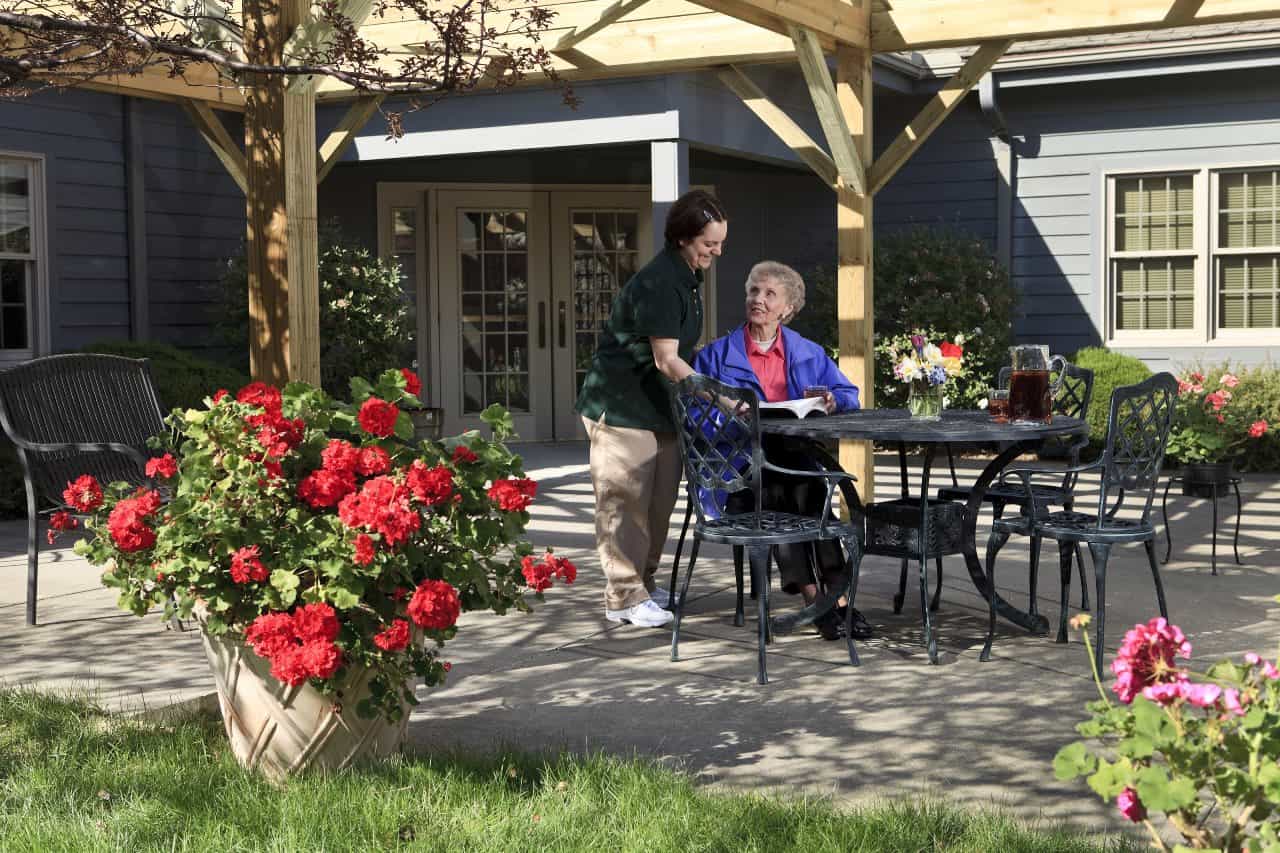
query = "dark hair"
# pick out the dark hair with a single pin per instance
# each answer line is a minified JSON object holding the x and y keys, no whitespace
{"x":690,"y":214}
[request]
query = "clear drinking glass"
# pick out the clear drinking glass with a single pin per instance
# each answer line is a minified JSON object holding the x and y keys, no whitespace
{"x":998,"y":404}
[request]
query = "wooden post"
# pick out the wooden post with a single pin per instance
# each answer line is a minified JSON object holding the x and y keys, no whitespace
{"x":280,"y":142}
{"x":854,"y":289}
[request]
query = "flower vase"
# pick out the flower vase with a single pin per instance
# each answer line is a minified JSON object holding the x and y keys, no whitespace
{"x":279,"y":731}
{"x":924,"y":401}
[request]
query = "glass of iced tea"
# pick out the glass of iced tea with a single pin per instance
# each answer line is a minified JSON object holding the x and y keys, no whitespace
{"x":816,"y":391}
{"x":998,"y":405}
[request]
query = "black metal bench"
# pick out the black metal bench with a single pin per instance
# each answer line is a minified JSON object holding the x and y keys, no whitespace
{"x":76,"y":414}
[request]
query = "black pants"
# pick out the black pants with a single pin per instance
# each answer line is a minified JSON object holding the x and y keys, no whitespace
{"x":799,"y":495}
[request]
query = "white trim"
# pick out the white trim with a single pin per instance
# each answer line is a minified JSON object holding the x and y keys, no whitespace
{"x":40,"y":326}
{"x":1204,"y":331}
{"x":572,"y":133}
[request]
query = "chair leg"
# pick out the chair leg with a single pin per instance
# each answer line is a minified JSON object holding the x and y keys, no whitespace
{"x":1164,"y":512}
{"x":1100,"y":551}
{"x":902,"y":587}
{"x":853,"y":563}
{"x":675,"y":564}
{"x":936,"y":604}
{"x":1235,"y":540}
{"x":759,"y":562}
{"x":770,"y":556}
{"x":1084,"y":586}
{"x":1150,"y":547}
{"x":1033,"y":579}
{"x":994,"y":543}
{"x":677,"y":604}
{"x":1213,"y":533}
{"x":33,"y":553}
{"x":1065,"y":551}
{"x":739,"y":615}
{"x":930,"y":638}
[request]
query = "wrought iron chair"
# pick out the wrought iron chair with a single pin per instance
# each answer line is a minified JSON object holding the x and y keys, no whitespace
{"x":718,"y":428}
{"x":1138,"y":425}
{"x":1071,"y":399}
{"x":69,"y":415}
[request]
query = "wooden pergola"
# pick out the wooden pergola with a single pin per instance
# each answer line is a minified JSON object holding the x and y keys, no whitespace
{"x":281,"y":166}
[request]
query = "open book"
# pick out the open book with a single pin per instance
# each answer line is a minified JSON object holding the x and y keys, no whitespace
{"x":797,"y":408}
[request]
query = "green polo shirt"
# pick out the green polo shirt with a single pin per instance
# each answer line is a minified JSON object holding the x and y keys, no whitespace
{"x":662,"y":300}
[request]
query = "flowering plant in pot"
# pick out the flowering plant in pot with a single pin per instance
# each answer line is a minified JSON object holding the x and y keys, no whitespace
{"x":1210,"y":430}
{"x":310,"y":534}
{"x":1203,"y":749}
{"x":928,"y":368}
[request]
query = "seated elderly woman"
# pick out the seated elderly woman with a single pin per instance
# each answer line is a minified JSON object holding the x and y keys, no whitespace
{"x":779,"y":364}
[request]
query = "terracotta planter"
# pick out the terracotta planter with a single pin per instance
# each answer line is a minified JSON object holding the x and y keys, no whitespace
{"x":278,"y":730}
{"x":1207,"y":479}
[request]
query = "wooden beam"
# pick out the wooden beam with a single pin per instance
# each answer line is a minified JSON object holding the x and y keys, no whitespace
{"x":934,"y":113}
{"x":835,"y":21}
{"x":915,"y":25}
{"x":782,"y":125}
{"x":315,"y":33}
{"x":341,"y":137}
{"x":830,"y":115}
{"x":215,"y":134}
{"x":855,"y":293}
{"x":615,"y":12}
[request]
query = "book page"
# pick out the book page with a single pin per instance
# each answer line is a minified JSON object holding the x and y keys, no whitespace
{"x":799,"y":408}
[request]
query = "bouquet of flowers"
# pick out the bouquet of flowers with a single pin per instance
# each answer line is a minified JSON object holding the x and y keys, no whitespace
{"x":928,"y":367}
{"x":320,"y":535}
{"x":1209,"y":426}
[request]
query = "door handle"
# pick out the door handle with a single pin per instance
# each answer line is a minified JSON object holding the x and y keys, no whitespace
{"x":560,"y":321}
{"x":542,"y":325}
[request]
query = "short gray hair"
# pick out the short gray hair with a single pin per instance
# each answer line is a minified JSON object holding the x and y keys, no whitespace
{"x":790,"y":281}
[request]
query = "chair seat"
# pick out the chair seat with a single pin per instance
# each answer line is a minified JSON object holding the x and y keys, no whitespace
{"x":776,"y":528}
{"x":1078,"y":526}
{"x":1008,"y":493}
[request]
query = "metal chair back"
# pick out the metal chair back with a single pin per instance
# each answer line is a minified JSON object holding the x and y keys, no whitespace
{"x":79,"y":399}
{"x":718,"y":427}
{"x":1138,"y":426}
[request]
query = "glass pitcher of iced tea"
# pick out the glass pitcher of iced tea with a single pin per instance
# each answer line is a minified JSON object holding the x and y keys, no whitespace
{"x":1030,"y":388}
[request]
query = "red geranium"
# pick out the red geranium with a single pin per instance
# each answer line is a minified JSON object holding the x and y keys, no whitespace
{"x":260,"y":394}
{"x":378,"y":417}
{"x":513,"y":495}
{"x":435,"y":605}
{"x":83,"y":493}
{"x":127,"y":522}
{"x":430,"y":486}
{"x":60,"y":521}
{"x":271,"y":634}
{"x":365,"y":549}
{"x":394,"y":638}
{"x":538,"y":573}
{"x":246,"y":565}
{"x":162,"y":466}
{"x":325,"y":488}
{"x":340,"y":457}
{"x":463,"y":454}
{"x":316,"y":621}
{"x":219,"y":395}
{"x":381,"y":506}
{"x":412,"y":384}
{"x":373,"y":461}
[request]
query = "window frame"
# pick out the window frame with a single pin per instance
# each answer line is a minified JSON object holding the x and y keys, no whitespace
{"x":1205,"y":250}
{"x":38,"y":322}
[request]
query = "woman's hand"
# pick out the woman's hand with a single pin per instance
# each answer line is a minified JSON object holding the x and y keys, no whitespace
{"x":829,"y":401}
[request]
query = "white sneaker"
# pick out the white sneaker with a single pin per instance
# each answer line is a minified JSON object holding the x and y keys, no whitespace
{"x":645,"y":613}
{"x":660,"y":598}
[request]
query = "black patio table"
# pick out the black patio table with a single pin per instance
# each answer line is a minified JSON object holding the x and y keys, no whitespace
{"x":961,"y":427}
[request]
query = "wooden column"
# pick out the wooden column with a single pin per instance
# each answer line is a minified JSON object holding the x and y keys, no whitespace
{"x":854,"y":289}
{"x":280,"y":152}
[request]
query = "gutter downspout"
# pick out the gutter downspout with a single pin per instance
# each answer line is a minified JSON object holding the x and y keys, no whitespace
{"x":1002,"y":148}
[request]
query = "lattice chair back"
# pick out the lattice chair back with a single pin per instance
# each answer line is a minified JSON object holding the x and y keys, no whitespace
{"x":1071,"y":400}
{"x":79,"y":399}
{"x":718,"y":428}
{"x":1138,"y":426}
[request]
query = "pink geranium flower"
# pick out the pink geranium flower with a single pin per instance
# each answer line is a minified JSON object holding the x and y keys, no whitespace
{"x":1257,"y":429}
{"x":1230,"y":380}
{"x":1146,"y":657}
{"x":1130,"y":806}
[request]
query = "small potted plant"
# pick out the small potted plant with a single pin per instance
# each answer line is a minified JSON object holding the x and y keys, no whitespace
{"x":326,"y":556}
{"x":1210,"y":431}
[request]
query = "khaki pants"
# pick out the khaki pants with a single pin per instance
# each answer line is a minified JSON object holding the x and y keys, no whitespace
{"x":635,"y":474}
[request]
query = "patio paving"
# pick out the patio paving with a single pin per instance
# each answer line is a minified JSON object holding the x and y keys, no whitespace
{"x":563,"y":677}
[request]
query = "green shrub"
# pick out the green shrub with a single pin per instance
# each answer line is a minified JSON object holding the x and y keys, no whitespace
{"x":1259,"y":389}
{"x":1110,"y":371}
{"x":941,"y":280}
{"x":182,"y":380}
{"x":366,"y":323}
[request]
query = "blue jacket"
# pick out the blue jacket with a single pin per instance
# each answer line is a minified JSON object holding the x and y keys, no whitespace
{"x":807,"y":363}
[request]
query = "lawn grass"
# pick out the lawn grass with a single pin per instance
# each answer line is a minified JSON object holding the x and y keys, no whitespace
{"x":74,"y":778}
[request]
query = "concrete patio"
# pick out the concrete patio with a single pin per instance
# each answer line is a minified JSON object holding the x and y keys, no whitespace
{"x":563,"y":677}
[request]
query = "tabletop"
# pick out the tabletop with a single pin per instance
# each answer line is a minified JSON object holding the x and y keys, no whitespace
{"x":957,"y":426}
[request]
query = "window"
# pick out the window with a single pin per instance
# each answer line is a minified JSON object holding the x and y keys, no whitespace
{"x":1194,"y":256}
{"x":20,"y":268}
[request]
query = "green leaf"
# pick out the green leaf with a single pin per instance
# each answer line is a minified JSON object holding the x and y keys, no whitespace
{"x":1073,"y":760}
{"x":1137,"y":746}
{"x":1150,"y":719}
{"x":361,"y":390}
{"x":404,"y":426}
{"x":1160,"y":793}
{"x":343,"y":598}
{"x":1269,"y":776}
{"x":1110,"y":779}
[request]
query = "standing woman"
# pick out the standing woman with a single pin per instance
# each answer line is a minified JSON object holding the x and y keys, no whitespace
{"x":635,"y":461}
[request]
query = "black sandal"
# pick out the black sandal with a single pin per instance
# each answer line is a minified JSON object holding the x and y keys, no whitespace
{"x":861,"y":627}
